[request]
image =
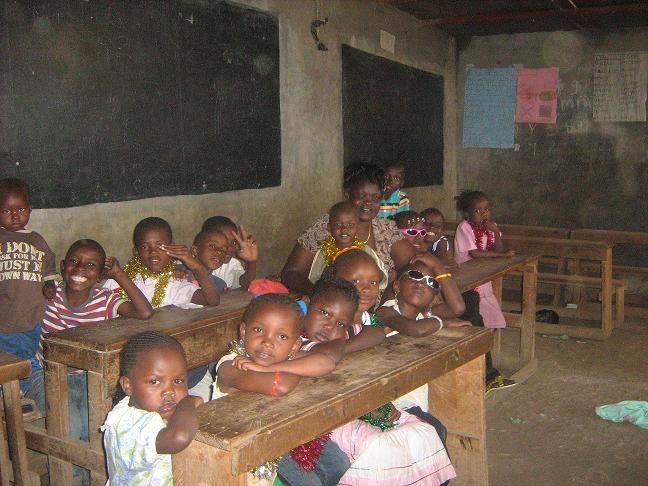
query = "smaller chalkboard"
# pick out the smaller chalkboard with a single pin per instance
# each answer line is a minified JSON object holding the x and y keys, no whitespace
{"x":392,"y":112}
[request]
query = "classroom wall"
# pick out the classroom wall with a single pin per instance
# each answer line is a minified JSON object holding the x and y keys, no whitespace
{"x":312,"y":145}
{"x":576,"y":173}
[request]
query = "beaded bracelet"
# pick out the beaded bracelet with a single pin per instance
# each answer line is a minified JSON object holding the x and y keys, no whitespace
{"x":429,"y":315}
{"x":275,"y":382}
{"x":443,"y":275}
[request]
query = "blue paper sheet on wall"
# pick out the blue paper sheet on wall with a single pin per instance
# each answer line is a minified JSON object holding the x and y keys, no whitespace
{"x":489,"y":107}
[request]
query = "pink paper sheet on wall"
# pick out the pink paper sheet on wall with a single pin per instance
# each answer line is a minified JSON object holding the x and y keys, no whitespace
{"x":537,"y":93}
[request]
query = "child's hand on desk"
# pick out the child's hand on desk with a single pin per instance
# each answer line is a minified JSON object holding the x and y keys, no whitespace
{"x":248,"y":250}
{"x":244,"y":363}
{"x":456,"y":323}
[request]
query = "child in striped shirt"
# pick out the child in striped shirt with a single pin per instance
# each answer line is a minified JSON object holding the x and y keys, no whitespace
{"x":79,"y":301}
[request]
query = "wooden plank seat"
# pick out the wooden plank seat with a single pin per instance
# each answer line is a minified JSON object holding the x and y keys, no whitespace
{"x":13,"y":459}
{"x":243,"y":430}
{"x":576,"y":251}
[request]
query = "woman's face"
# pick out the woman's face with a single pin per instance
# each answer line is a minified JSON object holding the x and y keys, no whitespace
{"x":367,"y":196}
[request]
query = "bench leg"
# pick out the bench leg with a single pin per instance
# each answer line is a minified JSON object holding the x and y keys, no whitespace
{"x":619,"y":302}
{"x":457,"y":399}
{"x":203,"y":465}
{"x":16,"y":433}
{"x":58,"y":418}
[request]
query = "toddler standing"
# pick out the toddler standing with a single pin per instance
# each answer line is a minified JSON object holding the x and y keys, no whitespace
{"x":27,"y":274}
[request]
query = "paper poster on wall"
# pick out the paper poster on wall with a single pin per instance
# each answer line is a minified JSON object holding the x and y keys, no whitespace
{"x":489,"y":107}
{"x":620,"y":86}
{"x":537,"y":95}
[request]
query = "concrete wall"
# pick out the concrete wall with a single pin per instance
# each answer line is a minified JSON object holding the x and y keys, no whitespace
{"x":577,"y":173}
{"x":312,"y":147}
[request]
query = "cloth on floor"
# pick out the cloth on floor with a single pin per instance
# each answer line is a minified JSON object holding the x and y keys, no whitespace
{"x":632,"y":411}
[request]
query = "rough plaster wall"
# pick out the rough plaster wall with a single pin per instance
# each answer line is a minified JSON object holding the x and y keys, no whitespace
{"x":577,"y":173}
{"x":312,"y":147}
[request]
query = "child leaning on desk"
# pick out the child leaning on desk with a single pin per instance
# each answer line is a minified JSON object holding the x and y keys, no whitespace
{"x":389,"y":445}
{"x":268,"y":360}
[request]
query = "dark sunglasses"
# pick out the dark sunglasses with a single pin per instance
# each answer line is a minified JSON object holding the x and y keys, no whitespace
{"x":414,"y":232}
{"x":418,"y":277}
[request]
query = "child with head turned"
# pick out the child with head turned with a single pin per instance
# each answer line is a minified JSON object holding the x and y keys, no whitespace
{"x":80,"y":301}
{"x":344,"y":218}
{"x":389,"y":445}
{"x":153,"y":415}
{"x":437,"y":239}
{"x":394,"y":200}
{"x":268,"y":360}
{"x":478,"y":236}
{"x":152,"y":268}
{"x":238,"y":266}
{"x":27,"y":274}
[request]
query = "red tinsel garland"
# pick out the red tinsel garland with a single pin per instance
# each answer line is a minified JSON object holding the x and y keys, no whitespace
{"x":480,"y":232}
{"x":306,"y":455}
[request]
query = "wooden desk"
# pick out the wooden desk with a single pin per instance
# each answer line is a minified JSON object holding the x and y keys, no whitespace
{"x":13,"y":369}
{"x":477,"y":271}
{"x":243,"y":430}
{"x":204,"y":334}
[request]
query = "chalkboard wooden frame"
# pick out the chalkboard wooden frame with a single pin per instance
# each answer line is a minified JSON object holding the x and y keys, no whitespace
{"x":392,"y":112}
{"x":110,"y":101}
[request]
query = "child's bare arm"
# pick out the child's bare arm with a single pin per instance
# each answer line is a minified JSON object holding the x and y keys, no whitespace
{"x":249,"y":253}
{"x":273,"y":383}
{"x":404,"y":325}
{"x":181,"y":427}
{"x":320,"y":361}
{"x":369,"y":337}
{"x":208,"y":294}
{"x":138,"y":306}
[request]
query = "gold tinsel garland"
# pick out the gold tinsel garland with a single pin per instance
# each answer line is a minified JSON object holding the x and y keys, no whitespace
{"x":330,"y":249}
{"x":135,"y":267}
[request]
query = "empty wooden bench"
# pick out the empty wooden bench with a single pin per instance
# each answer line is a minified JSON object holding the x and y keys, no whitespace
{"x":597,"y":253}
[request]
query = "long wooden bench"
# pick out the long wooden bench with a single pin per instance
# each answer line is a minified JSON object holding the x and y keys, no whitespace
{"x":600,"y":255}
{"x":243,"y":430}
{"x":204,"y":334}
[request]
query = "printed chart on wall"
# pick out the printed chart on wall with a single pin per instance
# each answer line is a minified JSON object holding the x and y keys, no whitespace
{"x":620,"y":86}
{"x":489,"y":107}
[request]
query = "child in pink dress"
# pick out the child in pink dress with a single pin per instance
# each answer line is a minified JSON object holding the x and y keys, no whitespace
{"x":478,"y":236}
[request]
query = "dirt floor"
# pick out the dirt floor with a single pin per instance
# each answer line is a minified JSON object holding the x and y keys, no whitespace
{"x":545,"y":431}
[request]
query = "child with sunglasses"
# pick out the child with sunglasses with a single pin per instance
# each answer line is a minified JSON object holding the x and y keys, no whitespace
{"x":412,"y":311}
{"x":412,"y":227}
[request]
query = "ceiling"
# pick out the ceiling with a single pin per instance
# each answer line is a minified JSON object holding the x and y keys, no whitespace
{"x":467,"y":18}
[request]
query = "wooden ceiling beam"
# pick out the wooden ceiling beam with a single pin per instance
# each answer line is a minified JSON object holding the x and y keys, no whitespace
{"x":500,"y":16}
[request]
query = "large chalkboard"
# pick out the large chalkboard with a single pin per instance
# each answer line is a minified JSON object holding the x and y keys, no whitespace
{"x":392,"y":112}
{"x":109,"y":101}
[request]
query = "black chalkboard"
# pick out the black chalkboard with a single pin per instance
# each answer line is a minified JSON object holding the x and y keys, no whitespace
{"x":109,"y":101}
{"x":392,"y":112}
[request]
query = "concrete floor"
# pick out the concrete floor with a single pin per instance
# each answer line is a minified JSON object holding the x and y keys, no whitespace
{"x":545,"y":431}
